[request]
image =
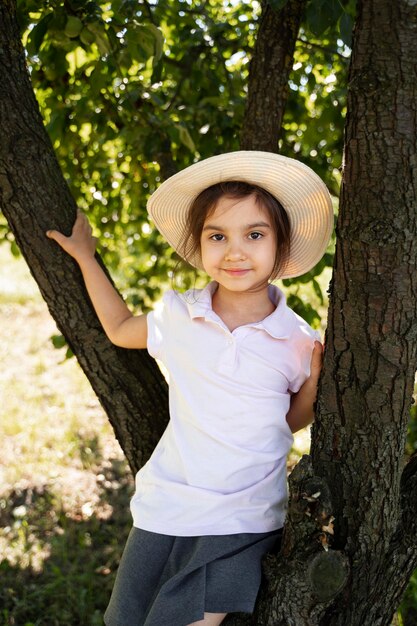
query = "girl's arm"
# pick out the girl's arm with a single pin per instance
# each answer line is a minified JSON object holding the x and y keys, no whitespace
{"x":301,"y":412}
{"x":121,"y":327}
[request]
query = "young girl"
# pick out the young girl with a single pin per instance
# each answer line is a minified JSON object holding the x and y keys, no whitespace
{"x":243,"y":372}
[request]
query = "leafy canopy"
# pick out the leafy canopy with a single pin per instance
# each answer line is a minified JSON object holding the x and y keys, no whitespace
{"x":133,"y":90}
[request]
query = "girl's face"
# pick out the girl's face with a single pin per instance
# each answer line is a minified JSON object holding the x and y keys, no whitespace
{"x":238,"y":244}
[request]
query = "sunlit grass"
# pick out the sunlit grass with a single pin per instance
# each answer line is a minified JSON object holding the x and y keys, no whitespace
{"x":64,"y":484}
{"x":16,"y":284}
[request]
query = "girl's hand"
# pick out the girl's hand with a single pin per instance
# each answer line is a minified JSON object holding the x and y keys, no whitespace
{"x":120,"y":326}
{"x":301,"y":412}
{"x":81,"y":244}
{"x":308,"y":391}
{"x":316,"y":361}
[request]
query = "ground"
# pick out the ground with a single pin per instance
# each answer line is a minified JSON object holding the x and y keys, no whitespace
{"x":64,"y":484}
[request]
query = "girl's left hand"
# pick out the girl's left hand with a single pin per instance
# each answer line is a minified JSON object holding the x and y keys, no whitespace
{"x":316,"y":361}
{"x":301,"y":412}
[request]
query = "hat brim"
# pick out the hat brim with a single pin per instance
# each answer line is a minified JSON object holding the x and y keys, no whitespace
{"x":301,"y":192}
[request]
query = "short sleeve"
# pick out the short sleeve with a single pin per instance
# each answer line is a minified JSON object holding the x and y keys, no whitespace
{"x":304,"y":349}
{"x":158,"y":322}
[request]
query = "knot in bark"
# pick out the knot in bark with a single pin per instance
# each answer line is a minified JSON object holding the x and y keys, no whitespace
{"x":310,"y":510}
{"x":328,"y":573}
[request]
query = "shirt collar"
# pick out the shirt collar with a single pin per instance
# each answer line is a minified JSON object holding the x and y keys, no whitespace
{"x":279,"y":324}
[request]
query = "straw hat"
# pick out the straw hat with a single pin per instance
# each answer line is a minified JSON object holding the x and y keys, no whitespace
{"x":302,"y":193}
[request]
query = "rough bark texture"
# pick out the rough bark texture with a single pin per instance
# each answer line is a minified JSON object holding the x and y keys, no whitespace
{"x":269,"y":71}
{"x":371,"y":353}
{"x":372,"y":328}
{"x":35,"y":197}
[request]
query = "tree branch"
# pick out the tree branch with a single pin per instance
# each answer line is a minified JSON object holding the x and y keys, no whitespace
{"x":34,"y":197}
{"x":269,"y":70}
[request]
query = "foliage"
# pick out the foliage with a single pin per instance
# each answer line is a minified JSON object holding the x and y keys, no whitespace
{"x":407,"y":611}
{"x":115,"y":111}
{"x":132,"y":91}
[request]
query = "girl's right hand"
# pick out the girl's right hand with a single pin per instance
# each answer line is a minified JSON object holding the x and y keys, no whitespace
{"x":81,"y":244}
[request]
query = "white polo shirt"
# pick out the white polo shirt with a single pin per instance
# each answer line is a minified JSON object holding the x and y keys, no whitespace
{"x":220,"y":466}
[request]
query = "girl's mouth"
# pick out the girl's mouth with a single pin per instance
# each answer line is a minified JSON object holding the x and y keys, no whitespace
{"x":236,"y":271}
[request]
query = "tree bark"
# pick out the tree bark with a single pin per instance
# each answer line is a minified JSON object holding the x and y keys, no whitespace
{"x":269,"y":71}
{"x":351,"y":485}
{"x":35,"y":197}
{"x":372,"y":329}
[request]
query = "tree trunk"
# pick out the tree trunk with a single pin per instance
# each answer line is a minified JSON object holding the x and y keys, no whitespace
{"x":35,"y":197}
{"x":354,"y":472}
{"x":269,"y":71}
{"x":372,"y":349}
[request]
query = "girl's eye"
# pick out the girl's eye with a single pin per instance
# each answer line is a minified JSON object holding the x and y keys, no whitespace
{"x":255,"y":236}
{"x":217,"y":237}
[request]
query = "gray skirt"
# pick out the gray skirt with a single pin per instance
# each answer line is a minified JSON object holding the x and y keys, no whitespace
{"x":171,"y":581}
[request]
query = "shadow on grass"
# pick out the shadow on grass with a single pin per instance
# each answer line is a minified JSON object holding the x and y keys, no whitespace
{"x":62,"y":564}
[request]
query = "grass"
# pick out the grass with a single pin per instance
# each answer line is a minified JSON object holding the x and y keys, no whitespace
{"x":64,"y":483}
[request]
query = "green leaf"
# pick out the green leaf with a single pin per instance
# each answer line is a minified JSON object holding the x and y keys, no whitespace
{"x":87,"y":37}
{"x":322,"y":14}
{"x":159,"y":42}
{"x":157,"y":72}
{"x":58,"y":64}
{"x":277,"y":5}
{"x":98,"y":79}
{"x":56,"y":125}
{"x":346,"y":23}
{"x":100,"y":35}
{"x":58,"y":21}
{"x":58,"y":341}
{"x":37,"y":34}
{"x":185,"y":138}
{"x":73,"y":26}
{"x":15,"y":250}
{"x":317,"y":290}
{"x":149,"y":39}
{"x":304,"y":309}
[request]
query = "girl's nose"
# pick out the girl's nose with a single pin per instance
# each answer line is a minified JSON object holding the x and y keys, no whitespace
{"x":234,"y":252}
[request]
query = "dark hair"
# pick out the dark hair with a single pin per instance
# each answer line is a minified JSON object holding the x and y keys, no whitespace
{"x":205,"y":204}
